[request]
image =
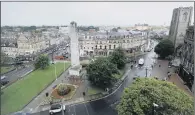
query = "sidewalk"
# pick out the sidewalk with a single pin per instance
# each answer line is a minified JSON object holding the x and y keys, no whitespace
{"x":179,"y":83}
{"x":161,"y":73}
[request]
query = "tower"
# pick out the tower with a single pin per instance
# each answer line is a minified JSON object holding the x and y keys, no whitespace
{"x":181,"y":19}
{"x":74,"y":47}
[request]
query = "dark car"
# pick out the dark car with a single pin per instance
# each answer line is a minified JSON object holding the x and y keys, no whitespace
{"x":4,"y":80}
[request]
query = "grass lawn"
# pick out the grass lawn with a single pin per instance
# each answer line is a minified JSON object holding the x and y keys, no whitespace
{"x":120,"y":75}
{"x":93,"y":90}
{"x":6,"y":69}
{"x":17,"y":95}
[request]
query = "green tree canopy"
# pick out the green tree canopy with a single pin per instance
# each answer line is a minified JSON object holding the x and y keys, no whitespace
{"x":4,"y":58}
{"x":164,"y":48}
{"x":118,"y":58}
{"x":138,"y":99}
{"x":100,"y":72}
{"x":42,"y":62}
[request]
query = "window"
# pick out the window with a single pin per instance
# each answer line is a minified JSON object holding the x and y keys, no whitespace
{"x":100,"y":42}
{"x":185,"y":16}
{"x":109,"y":46}
{"x":92,"y":48}
{"x":100,"y":47}
{"x":84,"y":48}
{"x":114,"y":46}
{"x":124,"y":36}
{"x":123,"y":41}
{"x":105,"y":47}
{"x":96,"y":47}
{"x":127,"y":41}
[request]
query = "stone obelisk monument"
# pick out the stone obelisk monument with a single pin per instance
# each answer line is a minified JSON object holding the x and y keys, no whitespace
{"x":74,"y":48}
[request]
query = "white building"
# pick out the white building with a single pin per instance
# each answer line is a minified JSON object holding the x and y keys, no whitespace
{"x":100,"y":44}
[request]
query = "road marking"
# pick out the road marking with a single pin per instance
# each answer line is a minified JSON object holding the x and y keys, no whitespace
{"x":74,"y":110}
{"x":86,"y":109}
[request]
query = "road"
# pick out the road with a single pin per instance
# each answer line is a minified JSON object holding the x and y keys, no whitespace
{"x":18,"y":73}
{"x":106,"y":106}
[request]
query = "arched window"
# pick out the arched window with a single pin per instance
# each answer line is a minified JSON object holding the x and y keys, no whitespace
{"x":109,"y":46}
{"x":185,"y":16}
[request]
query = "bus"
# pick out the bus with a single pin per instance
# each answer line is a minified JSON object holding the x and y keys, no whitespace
{"x":141,"y":61}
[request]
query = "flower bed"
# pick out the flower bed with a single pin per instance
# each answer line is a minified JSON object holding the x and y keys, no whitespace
{"x":55,"y":94}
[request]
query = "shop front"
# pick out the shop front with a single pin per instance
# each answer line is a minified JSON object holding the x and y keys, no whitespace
{"x":187,"y":77}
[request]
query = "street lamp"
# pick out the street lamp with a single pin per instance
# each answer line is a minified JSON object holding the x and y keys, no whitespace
{"x":147,"y":68}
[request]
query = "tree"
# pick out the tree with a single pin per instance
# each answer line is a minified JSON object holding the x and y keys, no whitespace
{"x":118,"y":58}
{"x":114,"y":30}
{"x":4,"y":58}
{"x":164,"y":48}
{"x":100,"y":72}
{"x":42,"y":62}
{"x":138,"y":99}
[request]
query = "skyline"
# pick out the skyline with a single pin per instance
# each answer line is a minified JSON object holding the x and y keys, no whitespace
{"x":89,"y":13}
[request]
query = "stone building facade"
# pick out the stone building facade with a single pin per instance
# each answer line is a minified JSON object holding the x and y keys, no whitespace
{"x":103,"y":45}
{"x":186,"y":70}
{"x":181,"y":19}
{"x":26,"y":46}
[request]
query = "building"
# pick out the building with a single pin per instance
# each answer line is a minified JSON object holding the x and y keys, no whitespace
{"x":181,"y":19}
{"x":103,"y":44}
{"x":186,"y":70}
{"x":141,"y":27}
{"x":26,"y":46}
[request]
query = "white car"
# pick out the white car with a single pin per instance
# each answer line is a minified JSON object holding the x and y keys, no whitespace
{"x":57,"y":108}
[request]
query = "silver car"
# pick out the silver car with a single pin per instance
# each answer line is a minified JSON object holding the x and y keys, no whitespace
{"x":57,"y":108}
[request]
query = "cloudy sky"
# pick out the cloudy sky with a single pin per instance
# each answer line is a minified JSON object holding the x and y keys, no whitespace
{"x":89,"y":13}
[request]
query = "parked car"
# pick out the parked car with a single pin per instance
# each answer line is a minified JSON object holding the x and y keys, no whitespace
{"x":57,"y":108}
{"x":4,"y":80}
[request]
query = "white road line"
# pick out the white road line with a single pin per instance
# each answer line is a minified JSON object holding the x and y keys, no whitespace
{"x":74,"y":110}
{"x":86,"y":109}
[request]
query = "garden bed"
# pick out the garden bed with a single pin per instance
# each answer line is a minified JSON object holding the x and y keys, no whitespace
{"x":55,"y":95}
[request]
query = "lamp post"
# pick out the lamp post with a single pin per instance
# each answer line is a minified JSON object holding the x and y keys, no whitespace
{"x":54,"y":65}
{"x":146,"y":71}
{"x":55,"y":72}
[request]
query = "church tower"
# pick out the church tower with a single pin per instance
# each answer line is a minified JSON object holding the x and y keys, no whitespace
{"x":181,"y":19}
